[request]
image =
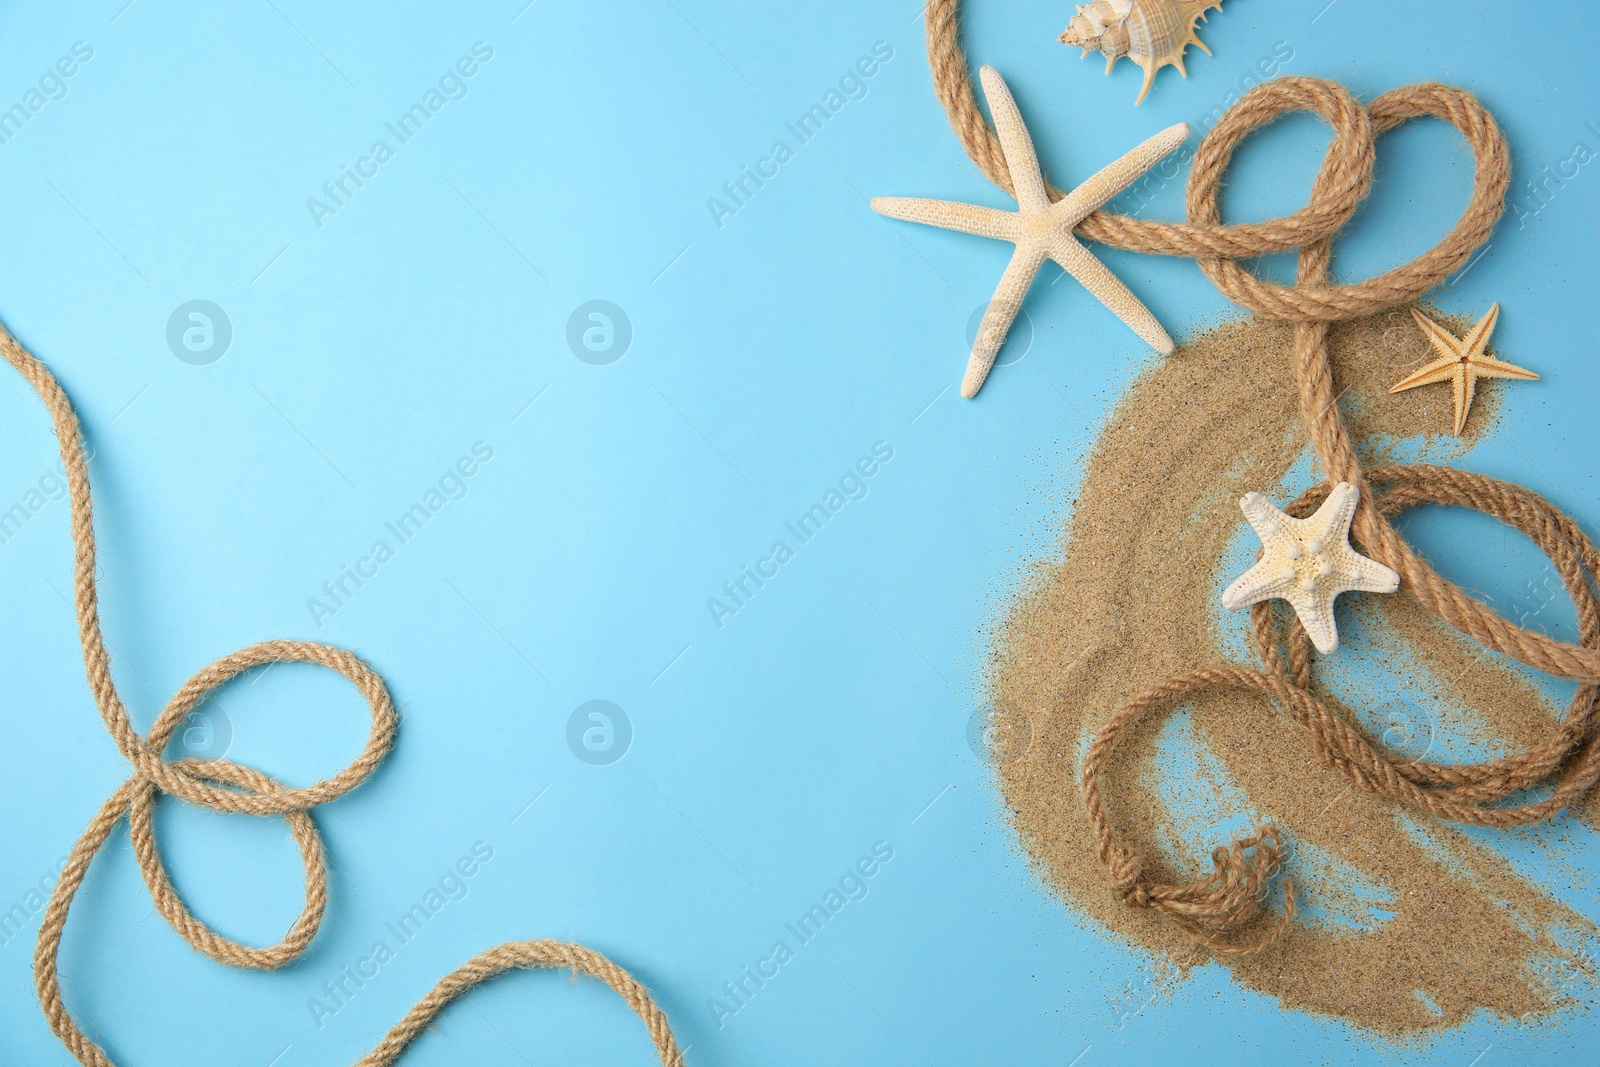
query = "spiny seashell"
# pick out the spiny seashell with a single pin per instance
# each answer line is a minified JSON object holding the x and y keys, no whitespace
{"x":1152,"y":33}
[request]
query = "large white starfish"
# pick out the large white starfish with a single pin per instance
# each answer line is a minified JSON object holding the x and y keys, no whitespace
{"x":1308,"y":562}
{"x":1040,"y":230}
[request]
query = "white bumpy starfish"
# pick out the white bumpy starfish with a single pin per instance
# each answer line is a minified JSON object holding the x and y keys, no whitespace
{"x":1308,"y":562}
{"x":1040,"y":230}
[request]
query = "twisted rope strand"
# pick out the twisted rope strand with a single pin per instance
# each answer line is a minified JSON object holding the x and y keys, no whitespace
{"x":494,"y":962}
{"x":225,"y":785}
{"x":1569,"y":758}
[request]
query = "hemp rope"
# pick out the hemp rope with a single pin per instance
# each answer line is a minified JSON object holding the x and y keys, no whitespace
{"x":206,"y":782}
{"x":1232,"y":894}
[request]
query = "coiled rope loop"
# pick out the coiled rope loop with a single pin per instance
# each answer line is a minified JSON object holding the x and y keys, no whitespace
{"x":226,"y":785}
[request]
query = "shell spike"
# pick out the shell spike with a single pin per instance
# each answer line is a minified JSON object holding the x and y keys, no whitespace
{"x":1150,"y":69}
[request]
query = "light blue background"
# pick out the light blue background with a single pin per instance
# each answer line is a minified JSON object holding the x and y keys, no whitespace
{"x":768,"y":355}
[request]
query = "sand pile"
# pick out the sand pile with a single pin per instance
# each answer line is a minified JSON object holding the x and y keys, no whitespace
{"x":1406,"y":923}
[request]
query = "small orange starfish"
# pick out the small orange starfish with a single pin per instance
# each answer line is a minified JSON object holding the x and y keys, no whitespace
{"x":1461,"y":363}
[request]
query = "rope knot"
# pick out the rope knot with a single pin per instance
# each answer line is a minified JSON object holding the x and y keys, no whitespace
{"x":216,"y":784}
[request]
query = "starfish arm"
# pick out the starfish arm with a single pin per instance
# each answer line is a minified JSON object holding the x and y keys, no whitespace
{"x":1096,"y":277}
{"x":1440,"y":370}
{"x":1269,"y":523}
{"x":1366,"y":575}
{"x":1111,"y":179}
{"x":1261,"y":582}
{"x":997,"y":319}
{"x":1489,"y":367}
{"x":1021,"y":161}
{"x":1333,"y":517}
{"x":1316,"y":615}
{"x":1463,"y":385}
{"x":1447,"y":347}
{"x":1478,"y":337}
{"x":949,"y":215}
